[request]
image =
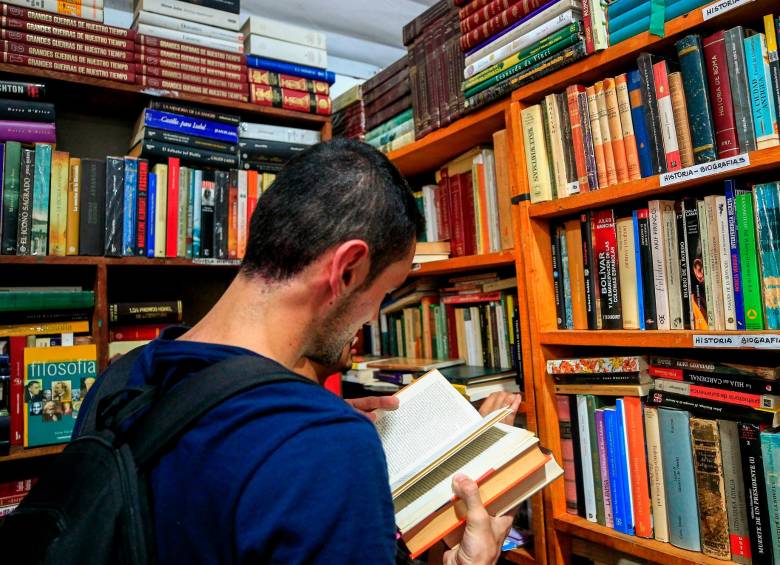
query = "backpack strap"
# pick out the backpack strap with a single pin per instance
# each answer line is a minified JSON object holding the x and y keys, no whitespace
{"x":188,"y":401}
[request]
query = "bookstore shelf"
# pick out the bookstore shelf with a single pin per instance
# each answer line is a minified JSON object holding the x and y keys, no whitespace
{"x":650,"y":549}
{"x":93,"y":261}
{"x":467,"y":263}
{"x":110,"y":88}
{"x":679,"y":339}
{"x":650,"y":187}
{"x":444,"y":144}
{"x":625,"y":53}
{"x":18,"y":453}
{"x":519,"y":555}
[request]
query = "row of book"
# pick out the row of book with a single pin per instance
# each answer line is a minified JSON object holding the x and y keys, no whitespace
{"x":703,"y":264}
{"x":349,"y":114}
{"x":694,"y":462}
{"x":628,"y":18}
{"x":723,"y":102}
{"x":387,"y":104}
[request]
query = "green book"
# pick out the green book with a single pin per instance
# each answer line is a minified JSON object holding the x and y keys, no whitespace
{"x":748,"y":259}
{"x":767,"y":206}
{"x":20,"y":301}
{"x":389,"y":125}
{"x":594,"y":403}
{"x":11,"y":172}
{"x":41,"y":187}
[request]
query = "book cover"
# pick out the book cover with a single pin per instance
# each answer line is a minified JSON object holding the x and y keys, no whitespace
{"x":115,"y":205}
{"x":58,"y":213}
{"x":24,"y":227}
{"x":646,"y":64}
{"x":12,"y":160}
{"x":660,"y":275}
{"x":761,"y":91}
{"x":740,"y":89}
{"x":681,"y":126}
{"x":755,"y":493}
{"x":172,"y":217}
{"x":698,"y":295}
{"x":748,"y":260}
{"x":160,"y":210}
{"x":715,"y":56}
{"x":684,"y":270}
{"x":594,"y":127}
{"x":129,"y":215}
{"x":655,"y":474}
{"x":616,"y":129}
{"x":41,"y":191}
{"x":666,"y":116}
{"x":606,"y":259}
{"x":628,"y":281}
{"x":630,"y":141}
{"x":639,"y":121}
{"x":207,"y":215}
{"x":689,"y":52}
{"x":647,"y":270}
{"x":64,"y":375}
{"x":74,"y":206}
{"x":151,"y":214}
{"x":736,"y":504}
{"x":142,"y":198}
{"x":592,"y":307}
{"x":92,"y":208}
{"x":766,"y":199}
{"x":770,"y":451}
{"x":724,"y":257}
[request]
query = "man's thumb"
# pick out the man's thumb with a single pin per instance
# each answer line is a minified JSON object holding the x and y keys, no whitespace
{"x":468,"y":491}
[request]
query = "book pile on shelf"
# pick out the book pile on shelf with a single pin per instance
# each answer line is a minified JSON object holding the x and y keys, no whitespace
{"x":694,"y":464}
{"x":288,"y":46}
{"x":12,"y":494}
{"x":349,"y":114}
{"x":508,"y":46}
{"x":266,"y":148}
{"x":194,"y":48}
{"x":723,"y":102}
{"x":133,"y":324}
{"x":696,"y":264}
{"x":387,"y":103}
{"x":51,"y":358}
{"x":628,"y":18}
{"x":23,"y":116}
{"x":430,"y":251}
{"x":433,"y":48}
{"x":470,"y":204}
{"x":91,"y":10}
{"x":66,"y":44}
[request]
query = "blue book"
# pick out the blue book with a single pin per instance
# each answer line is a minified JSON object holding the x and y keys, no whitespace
{"x":770,"y":450}
{"x":151,"y":209}
{"x":682,"y":507}
{"x":190,"y":125}
{"x":197,"y":177}
{"x":290,"y":69}
{"x":697,"y":98}
{"x":2,"y":162}
{"x":640,"y":123}
{"x":622,"y":6}
{"x":625,"y":472}
{"x":129,"y":216}
{"x":640,"y":297}
{"x":767,"y":230}
{"x":40,"y":200}
{"x":567,"y":298}
{"x":761,"y":91}
{"x":614,"y":448}
{"x":631,"y":27}
{"x":736,"y":270}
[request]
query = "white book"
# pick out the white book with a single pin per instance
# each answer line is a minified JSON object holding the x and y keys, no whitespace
{"x":285,"y":134}
{"x":86,"y":9}
{"x":286,"y":51}
{"x":655,"y":474}
{"x":241,"y":231}
{"x":598,"y":16}
{"x":492,"y":199}
{"x":503,"y":339}
{"x":672,"y":258}
{"x":586,"y":459}
{"x":712,"y":264}
{"x":476,"y":335}
{"x":701,"y":207}
{"x":543,"y":30}
{"x":191,"y":12}
{"x":431,"y":219}
{"x":160,"y":210}
{"x":657,"y":249}
{"x":193,"y":38}
{"x":184,"y":199}
{"x":624,"y":227}
{"x":724,"y":253}
{"x":524,"y":28}
{"x":177,"y":24}
{"x":259,"y":25}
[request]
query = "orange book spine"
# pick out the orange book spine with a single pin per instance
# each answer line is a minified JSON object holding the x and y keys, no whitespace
{"x":637,"y":461}
{"x":616,"y":131}
{"x":483,"y":224}
{"x":606,"y":136}
{"x":233,"y":216}
{"x":627,"y":126}
{"x":598,"y":141}
{"x":576,"y":274}
{"x":74,"y":211}
{"x":252,"y":194}
{"x":578,"y":140}
{"x":680,"y":108}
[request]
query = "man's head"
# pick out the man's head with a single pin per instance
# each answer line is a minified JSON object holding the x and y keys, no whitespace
{"x":341,"y":215}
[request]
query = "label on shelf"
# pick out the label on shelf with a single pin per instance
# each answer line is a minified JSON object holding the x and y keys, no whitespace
{"x":706,"y":169}
{"x":718,"y":8}
{"x":208,"y":261}
{"x":745,"y":341}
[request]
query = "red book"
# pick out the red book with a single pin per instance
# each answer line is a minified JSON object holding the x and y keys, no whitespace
{"x":172,"y":219}
{"x":469,"y":221}
{"x":233,"y":215}
{"x":577,"y":135}
{"x":295,"y":100}
{"x":219,"y":71}
{"x":65,"y":56}
{"x":229,"y":57}
{"x":133,"y":333}
{"x":63,"y":67}
{"x":443,"y":208}
{"x":499,"y":23}
{"x":165,"y":57}
{"x":492,"y":6}
{"x":33,"y":41}
{"x":452,"y":337}
{"x":666,"y":116}
{"x":587,"y":24}
{"x":66,"y":21}
{"x":142,"y":196}
{"x":605,"y":258}
{"x":262,"y":76}
{"x":180,"y":86}
{"x":81,"y":36}
{"x":16,"y":350}
{"x":720,"y":95}
{"x":637,"y":463}
{"x":457,"y":235}
{"x":200,"y":78}
{"x":16,"y":487}
{"x":471,"y":298}
{"x":252,"y":194}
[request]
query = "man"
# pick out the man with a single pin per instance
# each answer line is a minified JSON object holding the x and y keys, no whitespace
{"x":289,"y":473}
{"x":33,"y":393}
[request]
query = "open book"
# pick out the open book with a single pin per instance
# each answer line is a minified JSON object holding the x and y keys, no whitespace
{"x":436,"y":433}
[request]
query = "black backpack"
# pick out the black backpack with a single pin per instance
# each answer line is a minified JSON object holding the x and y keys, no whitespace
{"x":92,"y":504}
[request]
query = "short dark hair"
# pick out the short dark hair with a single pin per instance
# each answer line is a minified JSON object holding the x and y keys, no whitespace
{"x":332,"y":192}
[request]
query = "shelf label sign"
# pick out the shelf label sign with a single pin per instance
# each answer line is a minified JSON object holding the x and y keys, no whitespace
{"x":718,"y":8}
{"x":706,"y":169}
{"x":744,"y":341}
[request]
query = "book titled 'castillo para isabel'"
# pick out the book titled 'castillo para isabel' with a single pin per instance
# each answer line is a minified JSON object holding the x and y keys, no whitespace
{"x":56,"y":379}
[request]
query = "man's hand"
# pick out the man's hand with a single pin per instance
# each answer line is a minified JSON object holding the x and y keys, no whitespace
{"x":498,"y":400}
{"x":369,"y":404}
{"x":484,"y":534}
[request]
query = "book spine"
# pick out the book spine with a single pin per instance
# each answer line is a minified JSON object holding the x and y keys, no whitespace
{"x":558,"y":292}
{"x":74,"y":206}
{"x":640,"y":283}
{"x":261,"y":76}
{"x":83,"y":36}
{"x":737,"y":383}
{"x":39,"y":237}
{"x":197,"y":211}
{"x":682,"y":255}
{"x":748,"y":260}
{"x":287,"y":99}
{"x":625,"y":120}
{"x":639,"y":122}
{"x":740,"y":90}
{"x":625,"y":469}
{"x":710,"y":277}
{"x":259,"y":46}
{"x":724,"y":259}
{"x":591,"y":302}
{"x":575,"y":436}
{"x":115,"y":202}
{"x":224,"y":83}
{"x":572,"y":95}
{"x":68,"y":22}
{"x":293,"y":69}
{"x":93,"y":206}
{"x":233,"y":218}
{"x":472,"y":36}
{"x":548,"y":144}
{"x":659,"y":264}
{"x":689,"y":52}
{"x":207,"y":215}
{"x":709,"y":408}
{"x":766,"y":198}
{"x":616,"y":129}
{"x":160,"y":209}
{"x":672,"y":264}
{"x":164,"y":136}
{"x":136,"y":332}
{"x":186,"y":26}
{"x":146,"y":31}
{"x":637,"y":462}
{"x":770,"y":451}
{"x":184,"y":153}
{"x":27,"y":132}
{"x":601,"y":439}
{"x":648,"y":281}
{"x":172,"y":213}
{"x":220,"y":214}
{"x":605,"y":255}
{"x":606,"y":135}
{"x":585,"y":459}
{"x":755,"y":492}
{"x":720,"y":95}
{"x":131,"y":313}
{"x":627,"y":268}
{"x":536,"y":155}
{"x":58,"y":213}
{"x":192,"y":12}
{"x":694,"y":239}
{"x":591,"y":156}
{"x":24,"y":227}
{"x":129,"y":217}
{"x":148,"y":44}
{"x":44,"y":46}
{"x":602,"y":175}
{"x":572,"y":182}
{"x":655,"y":474}
{"x":142,"y":219}
{"x":592,"y":405}
{"x":666,"y":116}
{"x":181,"y":228}
{"x":772,"y":32}
{"x":243,"y":192}
{"x":736,"y":504}
{"x":738,"y":398}
{"x":764,"y":111}
{"x":24,"y":110}
{"x":652,"y":117}
{"x":65,"y":67}
{"x":190,"y":125}
{"x":68,"y":57}
{"x":16,"y":345}
{"x":681,"y":126}
{"x":567,"y":452}
{"x":615,"y":484}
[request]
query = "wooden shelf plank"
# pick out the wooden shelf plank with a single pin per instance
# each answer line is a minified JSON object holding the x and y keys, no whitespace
{"x":621,"y":57}
{"x":109,"y":261}
{"x":519,"y":555}
{"x":18,"y":453}
{"x":649,"y":187}
{"x":444,"y":144}
{"x":276,"y":115}
{"x":634,"y":338}
{"x":650,"y":549}
{"x":467,"y":263}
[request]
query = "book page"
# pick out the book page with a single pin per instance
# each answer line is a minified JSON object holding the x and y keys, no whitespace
{"x":430,"y":416}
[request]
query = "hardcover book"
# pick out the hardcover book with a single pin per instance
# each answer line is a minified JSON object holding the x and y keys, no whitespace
{"x":714,"y":48}
{"x":740,"y":88}
{"x":761,"y":91}
{"x":115,"y":205}
{"x":736,"y":504}
{"x":689,"y":52}
{"x":755,"y":493}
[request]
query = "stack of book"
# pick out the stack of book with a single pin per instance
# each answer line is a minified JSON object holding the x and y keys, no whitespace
{"x":193,"y":48}
{"x":133,"y":324}
{"x":12,"y":494}
{"x":266,"y":148}
{"x":42,"y":326}
{"x":91,"y":10}
{"x":387,"y":101}
{"x":654,"y":120}
{"x":349,"y":115}
{"x":470,"y":204}
{"x":66,"y":44}
{"x":702,"y":264}
{"x":694,"y":463}
{"x":430,"y":251}
{"x":23,"y":116}
{"x":288,"y":45}
{"x":627,"y":18}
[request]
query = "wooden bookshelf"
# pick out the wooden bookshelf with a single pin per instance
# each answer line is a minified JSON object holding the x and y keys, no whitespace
{"x":19,"y":453}
{"x":519,"y":555}
{"x":84,"y":260}
{"x":682,"y":339}
{"x":467,"y":263}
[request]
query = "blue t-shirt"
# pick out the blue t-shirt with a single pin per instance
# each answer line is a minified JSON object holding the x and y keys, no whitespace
{"x":286,"y":473}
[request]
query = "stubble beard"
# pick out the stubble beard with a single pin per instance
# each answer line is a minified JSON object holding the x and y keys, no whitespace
{"x":332,"y":334}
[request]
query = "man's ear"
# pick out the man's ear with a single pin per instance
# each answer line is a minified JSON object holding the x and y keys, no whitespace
{"x":350,"y":266}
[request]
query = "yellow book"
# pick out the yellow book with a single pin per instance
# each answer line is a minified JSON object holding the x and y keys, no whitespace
{"x":45,"y":328}
{"x":160,"y":210}
{"x":537,"y":165}
{"x":606,"y":136}
{"x":74,"y":213}
{"x":58,"y":204}
{"x":680,"y":108}
{"x":627,"y":127}
{"x":628,"y":282}
{"x":616,"y":130}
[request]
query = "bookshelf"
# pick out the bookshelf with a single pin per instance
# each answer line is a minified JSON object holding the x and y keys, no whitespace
{"x":468,"y":263}
{"x":564,"y":531}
